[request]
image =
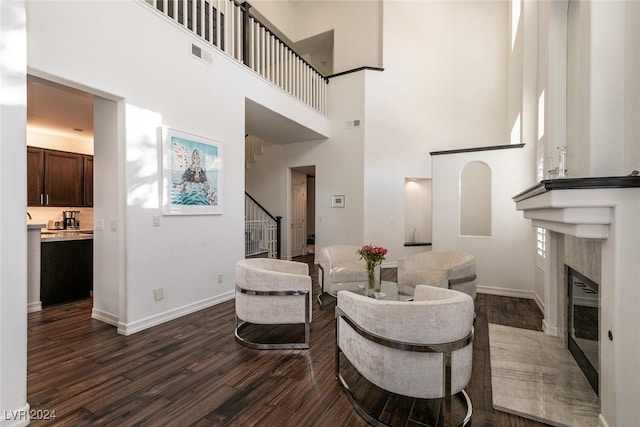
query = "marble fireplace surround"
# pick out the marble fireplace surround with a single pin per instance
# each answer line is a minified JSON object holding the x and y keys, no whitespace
{"x":594,"y":226}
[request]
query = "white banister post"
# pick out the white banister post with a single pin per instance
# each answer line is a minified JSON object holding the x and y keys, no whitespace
{"x":203,"y":7}
{"x":232,"y":30}
{"x":194,"y":18}
{"x":272,"y":58}
{"x":278,"y":53}
{"x":218,"y":25}
{"x":240,"y":34}
{"x":285,"y":76}
{"x":210,"y":21}
{"x":263,"y":51}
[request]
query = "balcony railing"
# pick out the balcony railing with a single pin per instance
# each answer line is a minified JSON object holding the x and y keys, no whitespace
{"x":231,"y":27}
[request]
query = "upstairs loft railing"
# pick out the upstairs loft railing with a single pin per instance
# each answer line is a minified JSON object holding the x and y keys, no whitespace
{"x":262,"y":230}
{"x":244,"y":38}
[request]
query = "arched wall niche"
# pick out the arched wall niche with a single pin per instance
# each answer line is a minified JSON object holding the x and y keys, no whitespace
{"x":475,"y":199}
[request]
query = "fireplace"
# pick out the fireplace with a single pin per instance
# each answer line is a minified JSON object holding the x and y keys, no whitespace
{"x":583,"y":324}
{"x":593,"y":226}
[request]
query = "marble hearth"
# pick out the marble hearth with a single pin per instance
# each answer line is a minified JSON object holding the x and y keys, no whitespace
{"x":594,"y":227}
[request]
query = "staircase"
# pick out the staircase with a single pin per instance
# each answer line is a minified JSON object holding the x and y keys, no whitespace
{"x":262,"y":231}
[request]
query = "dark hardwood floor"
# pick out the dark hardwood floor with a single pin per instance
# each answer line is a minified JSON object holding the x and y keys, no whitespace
{"x":191,"y":372}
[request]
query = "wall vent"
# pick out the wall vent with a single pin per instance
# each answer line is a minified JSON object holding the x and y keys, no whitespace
{"x":201,"y":54}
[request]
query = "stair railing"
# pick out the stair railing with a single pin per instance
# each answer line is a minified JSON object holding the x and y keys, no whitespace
{"x":262,"y":230}
{"x":231,"y":27}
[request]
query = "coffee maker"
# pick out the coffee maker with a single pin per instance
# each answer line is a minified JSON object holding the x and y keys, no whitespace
{"x":70,"y":219}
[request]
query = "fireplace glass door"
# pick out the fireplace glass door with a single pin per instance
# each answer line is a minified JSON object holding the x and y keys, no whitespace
{"x":583,"y":319}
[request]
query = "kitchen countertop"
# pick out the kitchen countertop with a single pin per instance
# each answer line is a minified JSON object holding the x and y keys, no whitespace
{"x":64,"y":235}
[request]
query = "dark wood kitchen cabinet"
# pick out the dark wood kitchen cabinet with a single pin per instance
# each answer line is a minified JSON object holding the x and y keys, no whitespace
{"x":59,"y":178}
{"x":87,"y":173}
{"x":66,"y":271}
{"x":35,"y":176}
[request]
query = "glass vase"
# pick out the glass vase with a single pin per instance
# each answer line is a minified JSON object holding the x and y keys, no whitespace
{"x":372,"y":282}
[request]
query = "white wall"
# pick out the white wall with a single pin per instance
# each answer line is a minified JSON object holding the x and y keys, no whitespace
{"x":13,"y":219}
{"x":450,"y":95}
{"x":357,"y":29}
{"x":158,"y":83}
{"x":279,"y":13}
{"x":339,"y":170}
{"x":505,"y":259}
{"x":602,"y":103}
{"x":108,"y":246}
{"x":632,"y":87}
{"x":444,"y":89}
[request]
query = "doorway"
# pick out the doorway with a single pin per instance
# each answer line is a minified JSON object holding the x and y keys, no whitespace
{"x":302,"y":211}
{"x":69,"y":119}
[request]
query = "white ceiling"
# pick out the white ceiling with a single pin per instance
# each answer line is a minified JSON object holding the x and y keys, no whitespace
{"x":59,"y":109}
{"x":273,"y":127}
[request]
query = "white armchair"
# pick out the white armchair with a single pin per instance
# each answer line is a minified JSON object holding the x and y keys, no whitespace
{"x":445,"y":269}
{"x":270,"y":292}
{"x":340,"y":264}
{"x":420,"y":349}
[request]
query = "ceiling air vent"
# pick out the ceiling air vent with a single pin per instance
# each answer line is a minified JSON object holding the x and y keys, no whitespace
{"x":201,"y":54}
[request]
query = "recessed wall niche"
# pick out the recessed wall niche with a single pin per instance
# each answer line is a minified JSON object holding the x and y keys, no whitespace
{"x":417,"y":210}
{"x":475,"y":199}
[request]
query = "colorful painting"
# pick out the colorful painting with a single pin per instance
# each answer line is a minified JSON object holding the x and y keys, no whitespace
{"x":192,"y":174}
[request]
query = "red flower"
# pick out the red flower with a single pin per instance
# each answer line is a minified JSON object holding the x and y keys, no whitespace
{"x":373,"y":255}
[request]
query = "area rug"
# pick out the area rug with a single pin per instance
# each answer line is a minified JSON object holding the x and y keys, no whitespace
{"x":534,"y":376}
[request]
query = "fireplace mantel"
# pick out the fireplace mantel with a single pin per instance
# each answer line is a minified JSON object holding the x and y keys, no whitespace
{"x":579,"y":207}
{"x":607,"y":209}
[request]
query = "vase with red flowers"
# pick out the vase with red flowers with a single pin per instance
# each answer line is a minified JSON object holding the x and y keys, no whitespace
{"x":373,"y":256}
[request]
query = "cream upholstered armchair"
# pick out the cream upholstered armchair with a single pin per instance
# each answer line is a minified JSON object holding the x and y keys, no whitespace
{"x":272,"y":292}
{"x":420,"y":349}
{"x":445,"y":269}
{"x":340,"y":264}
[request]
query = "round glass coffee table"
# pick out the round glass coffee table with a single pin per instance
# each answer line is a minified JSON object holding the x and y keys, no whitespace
{"x":384,"y":290}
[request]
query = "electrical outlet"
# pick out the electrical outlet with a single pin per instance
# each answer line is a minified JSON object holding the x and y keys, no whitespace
{"x":156,"y":221}
{"x":113,"y":224}
{"x":220,"y":278}
{"x":158,"y":293}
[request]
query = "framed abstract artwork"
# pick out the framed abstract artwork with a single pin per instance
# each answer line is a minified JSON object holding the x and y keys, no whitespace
{"x":191,"y":174}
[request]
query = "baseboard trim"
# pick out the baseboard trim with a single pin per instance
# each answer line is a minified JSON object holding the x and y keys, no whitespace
{"x":32,"y":307}
{"x":539,"y":303}
{"x":104,"y":316}
{"x":553,"y":331}
{"x":506,"y":292}
{"x":146,"y":323}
